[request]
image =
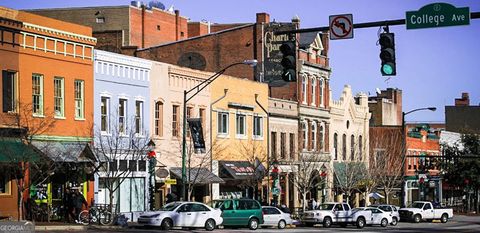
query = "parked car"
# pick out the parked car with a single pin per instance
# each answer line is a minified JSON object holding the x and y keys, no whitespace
{"x":327,"y":214}
{"x":240,"y":212}
{"x":369,"y":216}
{"x":424,"y":210}
{"x":183,"y":214}
{"x":274,"y":217}
{"x":393,"y":210}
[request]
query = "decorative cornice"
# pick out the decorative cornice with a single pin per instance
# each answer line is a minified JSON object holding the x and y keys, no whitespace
{"x":122,"y":59}
{"x":189,"y":72}
{"x":59,"y":32}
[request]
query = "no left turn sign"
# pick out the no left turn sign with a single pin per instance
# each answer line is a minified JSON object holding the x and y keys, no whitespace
{"x":341,"y":26}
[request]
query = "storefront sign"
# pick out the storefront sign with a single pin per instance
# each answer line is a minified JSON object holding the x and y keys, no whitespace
{"x":170,"y":181}
{"x":272,"y":68}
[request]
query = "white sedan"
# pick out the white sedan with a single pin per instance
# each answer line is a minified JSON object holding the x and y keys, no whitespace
{"x":183,"y":214}
{"x":274,"y":217}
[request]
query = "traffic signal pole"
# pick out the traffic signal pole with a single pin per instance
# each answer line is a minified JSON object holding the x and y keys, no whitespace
{"x":473,"y":15}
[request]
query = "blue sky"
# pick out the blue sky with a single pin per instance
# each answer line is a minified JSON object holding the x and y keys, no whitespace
{"x":433,"y":65}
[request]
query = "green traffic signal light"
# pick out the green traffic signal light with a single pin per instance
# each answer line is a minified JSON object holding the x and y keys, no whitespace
{"x":387,"y":54}
{"x":387,"y":69}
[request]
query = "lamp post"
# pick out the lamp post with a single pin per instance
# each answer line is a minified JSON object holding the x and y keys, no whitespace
{"x":152,"y":161}
{"x":404,"y":144}
{"x":197,"y":89}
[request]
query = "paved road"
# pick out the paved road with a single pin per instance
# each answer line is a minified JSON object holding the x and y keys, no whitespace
{"x":459,"y":224}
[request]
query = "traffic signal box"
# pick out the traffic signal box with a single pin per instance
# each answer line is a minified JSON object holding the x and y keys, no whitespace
{"x":387,"y":54}
{"x":289,"y":61}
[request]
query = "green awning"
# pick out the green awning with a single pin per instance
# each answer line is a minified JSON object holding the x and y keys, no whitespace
{"x":13,"y":150}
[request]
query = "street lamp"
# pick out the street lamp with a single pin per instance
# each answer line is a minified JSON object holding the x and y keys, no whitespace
{"x":404,"y":144}
{"x":197,"y":89}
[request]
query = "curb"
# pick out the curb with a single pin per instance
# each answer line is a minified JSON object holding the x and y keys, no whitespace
{"x":61,"y":228}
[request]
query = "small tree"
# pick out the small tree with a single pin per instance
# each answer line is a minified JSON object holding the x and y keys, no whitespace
{"x":349,"y":176}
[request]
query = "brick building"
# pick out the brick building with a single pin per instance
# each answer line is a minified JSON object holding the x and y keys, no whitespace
{"x":386,"y":108}
{"x":463,"y":117}
{"x":123,"y":29}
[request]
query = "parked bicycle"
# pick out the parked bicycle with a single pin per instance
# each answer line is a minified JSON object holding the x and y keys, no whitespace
{"x":98,"y":214}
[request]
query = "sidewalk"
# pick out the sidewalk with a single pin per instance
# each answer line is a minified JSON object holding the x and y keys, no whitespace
{"x":60,"y":226}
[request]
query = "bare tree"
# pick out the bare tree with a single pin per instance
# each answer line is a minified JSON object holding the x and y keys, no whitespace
{"x":348,"y":177}
{"x":122,"y":141}
{"x":386,"y":163}
{"x":26,"y":161}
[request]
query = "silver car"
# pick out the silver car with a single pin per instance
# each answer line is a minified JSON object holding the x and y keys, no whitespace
{"x":274,"y":217}
{"x":393,"y":210}
{"x":183,"y":214}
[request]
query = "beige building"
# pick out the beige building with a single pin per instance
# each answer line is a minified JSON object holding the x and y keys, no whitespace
{"x":349,"y":119}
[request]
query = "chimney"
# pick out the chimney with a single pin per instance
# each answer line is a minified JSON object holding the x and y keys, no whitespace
{"x":177,"y":24}
{"x":464,"y":101}
{"x":263,"y":18}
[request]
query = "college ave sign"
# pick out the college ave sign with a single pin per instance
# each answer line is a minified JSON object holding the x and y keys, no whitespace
{"x":437,"y":15}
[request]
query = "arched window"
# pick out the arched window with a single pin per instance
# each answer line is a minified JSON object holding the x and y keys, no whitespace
{"x":321,"y":103}
{"x":321,"y":138}
{"x":352,"y":148}
{"x":304,"y":88}
{"x":313,"y":136}
{"x":304,"y":135}
{"x":335,"y":145}
{"x":344,"y":147}
{"x":360,"y":147}
{"x":314,"y":86}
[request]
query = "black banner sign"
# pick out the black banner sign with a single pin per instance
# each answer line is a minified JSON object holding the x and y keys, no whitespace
{"x":196,"y":132}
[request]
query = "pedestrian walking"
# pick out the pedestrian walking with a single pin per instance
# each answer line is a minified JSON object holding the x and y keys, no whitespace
{"x":78,"y":202}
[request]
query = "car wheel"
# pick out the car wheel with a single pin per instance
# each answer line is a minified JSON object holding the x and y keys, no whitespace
{"x":444,"y":218}
{"x":327,"y":222}
{"x":253,"y":224}
{"x":394,"y":222}
{"x":167,"y":224}
{"x":417,"y":218}
{"x":384,"y":222}
{"x":282,"y":224}
{"x":210,"y":225}
{"x":360,"y":222}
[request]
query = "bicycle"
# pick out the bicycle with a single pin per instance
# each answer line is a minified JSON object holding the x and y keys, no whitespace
{"x":95,"y":214}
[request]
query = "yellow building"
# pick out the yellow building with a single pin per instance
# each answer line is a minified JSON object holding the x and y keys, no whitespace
{"x":239,"y":136}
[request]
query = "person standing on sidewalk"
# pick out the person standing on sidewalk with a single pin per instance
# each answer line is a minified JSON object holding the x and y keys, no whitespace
{"x":78,"y":202}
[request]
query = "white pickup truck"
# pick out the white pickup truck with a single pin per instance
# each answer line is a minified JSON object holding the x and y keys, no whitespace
{"x":423,"y":210}
{"x":327,"y":214}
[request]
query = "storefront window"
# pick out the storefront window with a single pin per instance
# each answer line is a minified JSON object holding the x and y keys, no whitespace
{"x":5,"y":185}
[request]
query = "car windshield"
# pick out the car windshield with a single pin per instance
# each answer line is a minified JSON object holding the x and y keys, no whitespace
{"x":416,"y":205}
{"x":326,"y":207}
{"x":170,"y":206}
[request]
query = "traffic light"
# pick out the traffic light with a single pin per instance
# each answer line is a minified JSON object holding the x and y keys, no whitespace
{"x":289,"y":61}
{"x":387,"y":54}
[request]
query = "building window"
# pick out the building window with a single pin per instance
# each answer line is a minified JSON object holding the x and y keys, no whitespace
{"x":344,"y":147}
{"x":273,"y":142}
{"x":335,"y":145}
{"x":304,"y":89}
{"x":139,"y":117}
{"x":189,"y":115}
{"x":304,"y":136}
{"x":182,"y":34}
{"x":37,"y":94}
{"x":352,"y":148}
{"x":122,"y":115}
{"x":100,"y":20}
{"x":203,"y":117}
{"x":241,"y":125}
{"x":292,"y":145}
{"x":9,"y":91}
{"x":360,"y":148}
{"x":314,"y":136}
{"x":104,"y":114}
{"x":159,"y":118}
{"x":158,"y":27}
{"x":5,"y":184}
{"x":321,"y":137}
{"x":175,"y":120}
{"x":283,"y":141}
{"x":222,"y":123}
{"x":257,"y":126}
{"x":58,"y":86}
{"x":79,"y":99}
{"x":321,"y":92}
{"x":314,"y":86}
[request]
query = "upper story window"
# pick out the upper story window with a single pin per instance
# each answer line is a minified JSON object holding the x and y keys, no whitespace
{"x":241,"y":125}
{"x":79,"y":99}
{"x":335,"y":146}
{"x":175,"y":120}
{"x":344,"y":147}
{"x":59,"y":96}
{"x":139,"y":117}
{"x":304,"y":88}
{"x":321,"y":138}
{"x":9,"y":91}
{"x":189,"y":115}
{"x":291,"y":138}
{"x":257,"y":127}
{"x":314,"y":86}
{"x":352,"y":148}
{"x":37,"y":94}
{"x":203,"y":117}
{"x":122,"y":116}
{"x":360,"y":147}
{"x":304,"y":135}
{"x":222,"y":123}
{"x":158,"y":118}
{"x":321,"y":93}
{"x":100,"y":20}
{"x":273,"y":142}
{"x":283,"y":146}
{"x":104,"y":114}
{"x":314,"y":136}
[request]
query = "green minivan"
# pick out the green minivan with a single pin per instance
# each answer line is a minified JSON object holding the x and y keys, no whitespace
{"x":240,"y":212}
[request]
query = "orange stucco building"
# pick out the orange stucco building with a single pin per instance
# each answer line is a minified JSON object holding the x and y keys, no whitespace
{"x":47,"y":88}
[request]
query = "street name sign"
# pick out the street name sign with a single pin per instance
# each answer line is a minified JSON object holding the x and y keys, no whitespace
{"x":341,"y":26}
{"x":437,"y":15}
